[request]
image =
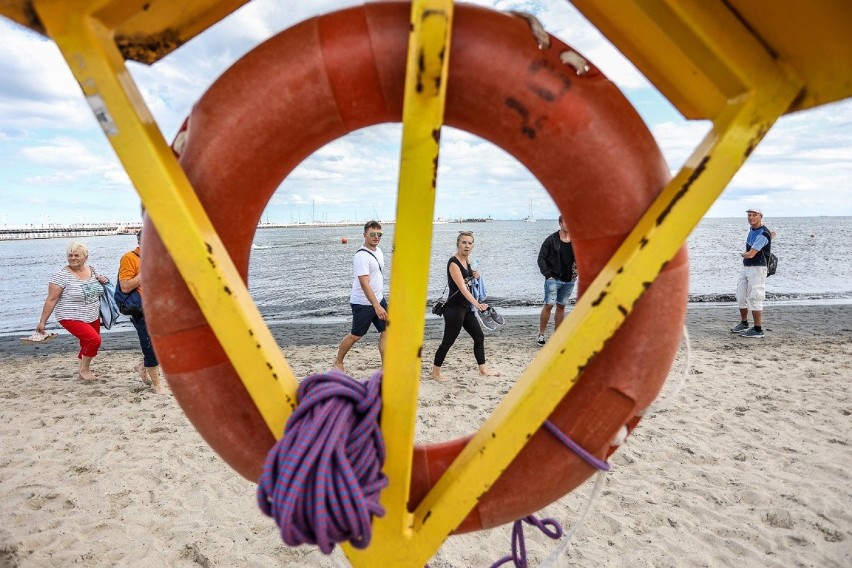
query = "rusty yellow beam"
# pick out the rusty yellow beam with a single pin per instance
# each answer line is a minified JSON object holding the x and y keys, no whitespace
{"x":422,"y":118}
{"x":88,"y":47}
{"x":809,"y":37}
{"x":144,"y":30}
{"x":768,"y":91}
{"x":675,"y":43}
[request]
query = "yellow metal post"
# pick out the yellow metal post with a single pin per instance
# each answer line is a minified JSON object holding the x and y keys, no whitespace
{"x":88,"y":47}
{"x":597,"y":316}
{"x":422,"y":117}
{"x":653,"y":242}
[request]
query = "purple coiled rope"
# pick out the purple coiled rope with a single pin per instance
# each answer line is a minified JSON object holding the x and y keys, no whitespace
{"x":321,"y":482}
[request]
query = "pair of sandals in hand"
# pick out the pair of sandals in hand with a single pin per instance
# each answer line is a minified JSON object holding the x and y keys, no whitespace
{"x":489,"y":319}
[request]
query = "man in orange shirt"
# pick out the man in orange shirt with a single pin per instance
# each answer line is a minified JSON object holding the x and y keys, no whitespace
{"x":129,"y":279}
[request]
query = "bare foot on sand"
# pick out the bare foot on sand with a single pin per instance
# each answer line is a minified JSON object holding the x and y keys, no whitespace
{"x":143,"y":374}
{"x":151,"y":377}
{"x":486,"y":371}
{"x":86,"y":375}
{"x":338,"y":367}
{"x":438,"y":375}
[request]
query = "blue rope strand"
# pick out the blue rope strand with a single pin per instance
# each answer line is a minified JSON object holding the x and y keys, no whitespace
{"x":322,"y":480}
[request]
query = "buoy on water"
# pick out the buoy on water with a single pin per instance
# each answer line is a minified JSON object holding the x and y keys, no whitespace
{"x":344,"y":240}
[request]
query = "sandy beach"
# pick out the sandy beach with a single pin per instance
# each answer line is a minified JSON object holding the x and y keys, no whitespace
{"x":750,"y":466}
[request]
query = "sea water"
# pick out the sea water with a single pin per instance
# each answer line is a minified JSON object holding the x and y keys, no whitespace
{"x":305,"y":273}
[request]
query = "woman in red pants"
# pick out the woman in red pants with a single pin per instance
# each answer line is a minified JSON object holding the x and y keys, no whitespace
{"x":74,"y":294}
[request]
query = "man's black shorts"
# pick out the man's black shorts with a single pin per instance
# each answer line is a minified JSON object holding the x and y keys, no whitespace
{"x":363,"y":316}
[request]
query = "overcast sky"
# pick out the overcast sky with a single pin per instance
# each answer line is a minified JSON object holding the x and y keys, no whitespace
{"x":56,"y":165}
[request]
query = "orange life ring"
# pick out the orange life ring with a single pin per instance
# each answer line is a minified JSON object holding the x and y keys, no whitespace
{"x":336,"y":73}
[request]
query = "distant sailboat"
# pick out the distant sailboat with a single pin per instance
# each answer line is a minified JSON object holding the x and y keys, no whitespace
{"x":530,"y":218}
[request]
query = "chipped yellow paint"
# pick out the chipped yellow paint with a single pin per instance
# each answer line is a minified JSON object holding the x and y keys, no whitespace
{"x":684,"y":46}
{"x":603,"y":307}
{"x":88,"y":47}
{"x":422,"y":116}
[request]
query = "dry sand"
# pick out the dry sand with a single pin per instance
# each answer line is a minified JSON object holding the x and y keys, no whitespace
{"x":750,"y":466}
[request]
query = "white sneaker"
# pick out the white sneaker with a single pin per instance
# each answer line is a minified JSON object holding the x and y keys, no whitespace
{"x":540,"y":340}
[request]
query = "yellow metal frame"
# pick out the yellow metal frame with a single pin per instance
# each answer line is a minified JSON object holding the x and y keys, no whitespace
{"x":82,"y":30}
{"x":711,"y":58}
{"x":422,"y":116}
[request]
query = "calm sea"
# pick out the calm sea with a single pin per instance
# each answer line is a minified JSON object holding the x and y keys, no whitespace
{"x":304,"y":274}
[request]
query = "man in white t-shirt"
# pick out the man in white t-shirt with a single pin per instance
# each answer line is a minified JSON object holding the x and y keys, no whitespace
{"x":367,"y":299}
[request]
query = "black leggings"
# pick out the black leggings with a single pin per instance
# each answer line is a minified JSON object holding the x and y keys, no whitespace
{"x":455,"y":317}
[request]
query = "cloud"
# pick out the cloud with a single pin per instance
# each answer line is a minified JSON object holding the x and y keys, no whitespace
{"x":172,"y":85}
{"x":678,"y":140}
{"x":65,"y":160}
{"x":54,"y":157}
{"x":37,"y":89}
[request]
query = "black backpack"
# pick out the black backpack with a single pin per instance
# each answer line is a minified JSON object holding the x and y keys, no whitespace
{"x":771,"y":260}
{"x":771,"y":264}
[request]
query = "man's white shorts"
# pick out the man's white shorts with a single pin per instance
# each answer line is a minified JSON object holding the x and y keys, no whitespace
{"x":751,"y":288}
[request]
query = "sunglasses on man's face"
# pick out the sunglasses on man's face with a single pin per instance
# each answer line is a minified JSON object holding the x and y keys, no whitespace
{"x":376,"y":233}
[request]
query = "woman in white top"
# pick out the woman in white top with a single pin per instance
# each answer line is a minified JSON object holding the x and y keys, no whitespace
{"x":74,"y":294}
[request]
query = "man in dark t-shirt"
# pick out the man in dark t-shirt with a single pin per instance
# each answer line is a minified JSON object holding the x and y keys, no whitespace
{"x":559,"y":268}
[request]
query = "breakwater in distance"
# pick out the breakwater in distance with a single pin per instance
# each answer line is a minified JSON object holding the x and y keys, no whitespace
{"x":303,"y":273}
{"x":54,"y":231}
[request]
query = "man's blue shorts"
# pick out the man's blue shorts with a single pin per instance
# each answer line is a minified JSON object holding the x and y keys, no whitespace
{"x":557,"y":291}
{"x":363,"y":316}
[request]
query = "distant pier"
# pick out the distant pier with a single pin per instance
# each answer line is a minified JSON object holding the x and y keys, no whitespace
{"x":24,"y":232}
{"x":16,"y":233}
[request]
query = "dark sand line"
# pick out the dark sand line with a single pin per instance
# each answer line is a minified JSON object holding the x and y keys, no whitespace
{"x":787,"y":322}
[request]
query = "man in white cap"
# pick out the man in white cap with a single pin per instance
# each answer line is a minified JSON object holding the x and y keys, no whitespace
{"x":751,"y":287}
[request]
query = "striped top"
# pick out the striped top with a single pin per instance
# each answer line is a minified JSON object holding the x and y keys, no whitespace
{"x":80,"y":299}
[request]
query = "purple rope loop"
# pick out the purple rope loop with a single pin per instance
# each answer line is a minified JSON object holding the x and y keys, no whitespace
{"x":518,"y":557}
{"x":593,"y":461}
{"x":519,"y":550}
{"x":321,"y":482}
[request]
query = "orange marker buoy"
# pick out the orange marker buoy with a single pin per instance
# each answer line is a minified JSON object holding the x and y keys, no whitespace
{"x":344,"y":240}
